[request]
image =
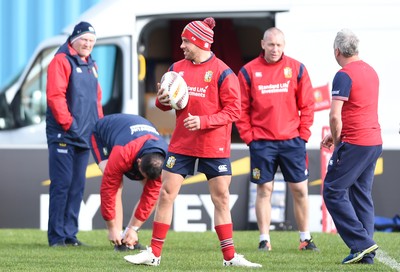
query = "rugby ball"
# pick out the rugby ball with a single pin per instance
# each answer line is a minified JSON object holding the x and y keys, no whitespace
{"x":177,"y":90}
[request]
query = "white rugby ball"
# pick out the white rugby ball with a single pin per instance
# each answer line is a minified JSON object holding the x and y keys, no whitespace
{"x":177,"y":90}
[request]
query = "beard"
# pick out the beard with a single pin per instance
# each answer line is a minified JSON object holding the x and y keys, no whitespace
{"x":188,"y":55}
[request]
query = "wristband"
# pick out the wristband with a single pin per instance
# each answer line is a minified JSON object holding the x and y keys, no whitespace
{"x":135,"y":228}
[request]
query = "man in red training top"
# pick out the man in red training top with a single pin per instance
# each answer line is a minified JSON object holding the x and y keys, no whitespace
{"x":356,"y":136}
{"x":203,"y":134}
{"x":277,"y":113}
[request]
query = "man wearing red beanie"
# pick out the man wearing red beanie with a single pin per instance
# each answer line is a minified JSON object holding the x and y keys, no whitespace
{"x":203,"y":135}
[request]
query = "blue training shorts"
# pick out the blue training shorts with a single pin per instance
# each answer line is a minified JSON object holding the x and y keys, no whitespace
{"x":185,"y":165}
{"x":289,"y":155}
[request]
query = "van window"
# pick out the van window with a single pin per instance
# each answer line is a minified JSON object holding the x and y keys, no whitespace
{"x":32,"y":108}
{"x":109,"y":64}
{"x":29,"y":104}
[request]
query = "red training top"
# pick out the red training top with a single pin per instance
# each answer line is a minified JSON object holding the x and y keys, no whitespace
{"x":214,"y":96}
{"x":277,"y":100}
{"x":357,"y":84}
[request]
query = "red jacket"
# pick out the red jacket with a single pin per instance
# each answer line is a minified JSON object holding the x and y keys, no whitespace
{"x":214,"y":95}
{"x":73,"y":98}
{"x":277,"y":100}
{"x":123,"y":145}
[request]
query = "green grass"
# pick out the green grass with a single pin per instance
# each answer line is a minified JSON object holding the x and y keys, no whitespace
{"x":27,"y":250}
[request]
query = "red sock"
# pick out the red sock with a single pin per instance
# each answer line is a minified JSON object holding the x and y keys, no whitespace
{"x":224,"y":233}
{"x":160,"y":231}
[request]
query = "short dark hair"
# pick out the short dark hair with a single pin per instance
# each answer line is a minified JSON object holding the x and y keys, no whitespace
{"x":152,"y":164}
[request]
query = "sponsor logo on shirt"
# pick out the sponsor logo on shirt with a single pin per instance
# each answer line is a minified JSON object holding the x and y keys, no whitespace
{"x":197,"y":91}
{"x":274,"y":88}
{"x":140,"y":128}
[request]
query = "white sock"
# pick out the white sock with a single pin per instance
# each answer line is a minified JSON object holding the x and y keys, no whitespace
{"x":304,"y":235}
{"x":265,"y":237}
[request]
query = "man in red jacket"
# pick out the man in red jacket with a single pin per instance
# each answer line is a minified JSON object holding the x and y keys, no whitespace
{"x":277,"y":113}
{"x":73,"y":106}
{"x":203,"y":134}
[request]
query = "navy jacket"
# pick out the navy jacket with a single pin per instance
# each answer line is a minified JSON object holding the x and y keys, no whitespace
{"x":73,"y":98}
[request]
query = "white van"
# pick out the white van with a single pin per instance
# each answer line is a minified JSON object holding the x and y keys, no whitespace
{"x":136,"y":43}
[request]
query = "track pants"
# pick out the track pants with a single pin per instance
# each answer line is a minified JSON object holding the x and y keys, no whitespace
{"x":67,"y":167}
{"x":347,"y":193}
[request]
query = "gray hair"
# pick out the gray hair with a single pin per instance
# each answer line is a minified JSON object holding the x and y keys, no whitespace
{"x":347,"y":43}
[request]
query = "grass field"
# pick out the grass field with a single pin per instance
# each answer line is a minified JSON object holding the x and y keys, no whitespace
{"x":27,"y":250}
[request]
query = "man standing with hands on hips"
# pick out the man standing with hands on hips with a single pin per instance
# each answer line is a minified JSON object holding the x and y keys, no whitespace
{"x":356,"y":137}
{"x":73,"y":107}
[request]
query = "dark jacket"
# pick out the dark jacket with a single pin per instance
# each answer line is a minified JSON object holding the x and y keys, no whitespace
{"x":73,"y":98}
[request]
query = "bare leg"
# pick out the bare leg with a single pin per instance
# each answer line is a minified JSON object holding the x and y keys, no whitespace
{"x":169,"y":191}
{"x":300,"y":204}
{"x":219,"y":190}
{"x":263,"y":206}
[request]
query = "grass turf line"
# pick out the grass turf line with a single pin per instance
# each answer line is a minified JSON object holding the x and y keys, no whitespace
{"x":27,"y":250}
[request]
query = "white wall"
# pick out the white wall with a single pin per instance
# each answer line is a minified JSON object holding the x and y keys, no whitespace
{"x":310,"y":28}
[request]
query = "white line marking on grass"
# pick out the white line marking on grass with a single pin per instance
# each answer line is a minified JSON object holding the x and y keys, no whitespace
{"x":384,"y":258}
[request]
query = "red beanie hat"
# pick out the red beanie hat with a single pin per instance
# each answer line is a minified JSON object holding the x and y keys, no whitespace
{"x":200,"y":33}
